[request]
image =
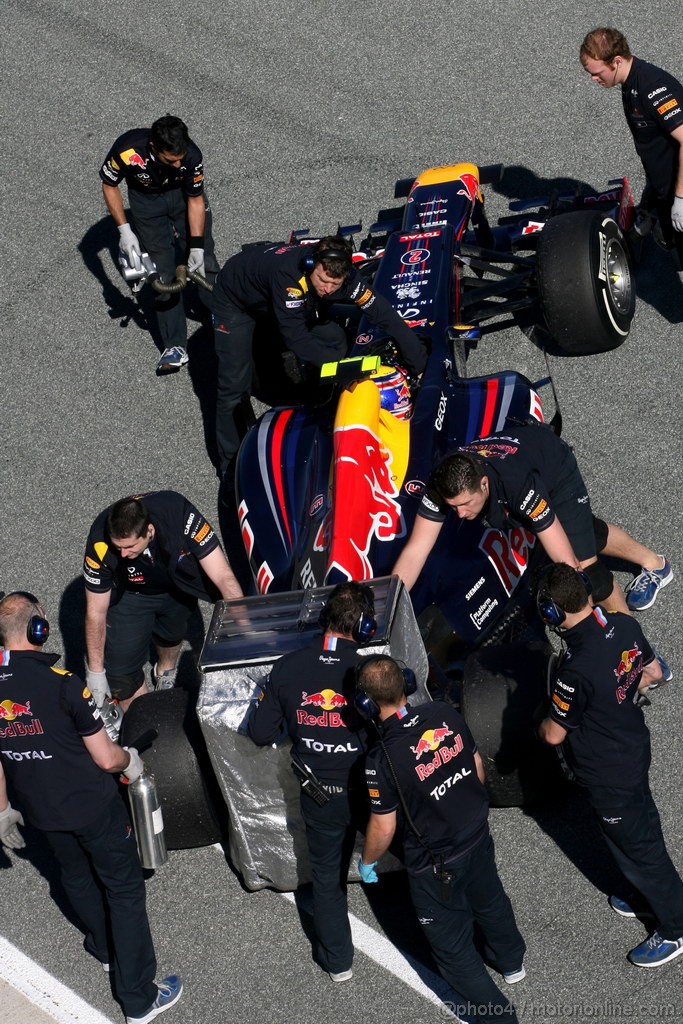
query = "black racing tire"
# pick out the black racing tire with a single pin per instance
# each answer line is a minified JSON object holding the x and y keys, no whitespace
{"x":502,"y":687}
{"x":190,"y":802}
{"x":585,"y":282}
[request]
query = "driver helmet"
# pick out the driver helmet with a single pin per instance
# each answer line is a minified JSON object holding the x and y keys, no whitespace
{"x":394,"y":392}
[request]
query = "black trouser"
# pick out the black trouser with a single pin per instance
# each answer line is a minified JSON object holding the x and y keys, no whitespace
{"x":329,"y":835}
{"x":105,"y":850}
{"x":234,"y":340}
{"x":132,"y":623}
{"x":630,"y":823}
{"x":447,"y":913}
{"x":160,"y":222}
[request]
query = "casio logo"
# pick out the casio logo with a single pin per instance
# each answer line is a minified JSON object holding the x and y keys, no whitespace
{"x":656,"y":92}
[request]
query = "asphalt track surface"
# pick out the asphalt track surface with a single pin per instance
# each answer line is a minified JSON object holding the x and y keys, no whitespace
{"x":306,"y":116}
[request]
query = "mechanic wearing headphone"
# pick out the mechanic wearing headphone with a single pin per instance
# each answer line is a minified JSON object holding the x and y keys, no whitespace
{"x":653,"y":105}
{"x":60,"y":762}
{"x":328,"y":737}
{"x":148,"y":558}
{"x":529,"y":477}
{"x":427,"y":772}
{"x":292,"y":286}
{"x":164,"y":173}
{"x":607,"y":663}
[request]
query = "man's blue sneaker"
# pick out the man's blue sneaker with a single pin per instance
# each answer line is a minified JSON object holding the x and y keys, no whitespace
{"x":642,"y":591}
{"x":626,"y":909}
{"x":656,"y":951}
{"x":172,"y":359}
{"x":170,"y":991}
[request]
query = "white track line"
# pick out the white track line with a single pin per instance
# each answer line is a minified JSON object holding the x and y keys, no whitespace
{"x":378,"y":948}
{"x":43,"y":990}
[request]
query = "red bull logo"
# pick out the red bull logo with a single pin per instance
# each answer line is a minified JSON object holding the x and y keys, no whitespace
{"x":471,"y":189}
{"x":626,"y":663}
{"x":135,"y":160}
{"x":328,"y":702}
{"x":362,"y":469}
{"x":9,"y":709}
{"x":326,"y":699}
{"x":430,"y":740}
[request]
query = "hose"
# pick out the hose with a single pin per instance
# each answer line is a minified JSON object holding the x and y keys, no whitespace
{"x":182,"y":275}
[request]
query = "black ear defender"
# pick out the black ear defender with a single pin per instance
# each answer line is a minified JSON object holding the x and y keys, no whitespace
{"x":364,"y":704}
{"x":364,"y":629}
{"x":549,"y":611}
{"x":316,"y":254}
{"x":37,"y":628}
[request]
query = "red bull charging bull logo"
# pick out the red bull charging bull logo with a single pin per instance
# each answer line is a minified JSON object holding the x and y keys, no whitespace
{"x":10,"y":711}
{"x":431,"y":742}
{"x":328,"y":703}
{"x":471,"y":189}
{"x":627,"y":671}
{"x":363,"y":469}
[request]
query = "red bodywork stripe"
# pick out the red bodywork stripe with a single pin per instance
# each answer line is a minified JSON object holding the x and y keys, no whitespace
{"x":276,"y":466}
{"x":489,"y":407}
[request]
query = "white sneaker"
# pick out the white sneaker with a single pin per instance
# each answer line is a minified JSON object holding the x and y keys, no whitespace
{"x":172,"y":359}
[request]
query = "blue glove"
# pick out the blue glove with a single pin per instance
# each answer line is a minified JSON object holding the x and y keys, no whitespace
{"x":367,"y":871}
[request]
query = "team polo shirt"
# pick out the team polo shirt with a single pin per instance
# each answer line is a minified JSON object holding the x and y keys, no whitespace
{"x":592,"y":697}
{"x":431,"y":751}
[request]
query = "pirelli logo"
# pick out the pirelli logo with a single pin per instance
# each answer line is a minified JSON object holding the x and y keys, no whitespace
{"x":92,"y":563}
{"x":560,"y":703}
{"x":539,"y":510}
{"x":365,"y":297}
{"x":667,"y":106}
{"x":202,"y":533}
{"x":374,"y":793}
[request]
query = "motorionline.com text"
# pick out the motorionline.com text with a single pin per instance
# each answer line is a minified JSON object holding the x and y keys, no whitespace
{"x":550,"y":1011}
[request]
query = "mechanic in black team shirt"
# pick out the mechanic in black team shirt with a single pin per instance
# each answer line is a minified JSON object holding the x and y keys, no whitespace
{"x":653,"y":105}
{"x":164,"y":173}
{"x":60,"y":764}
{"x":529,"y":477}
{"x":148,"y":559}
{"x":292,"y":286}
{"x":426,"y":774}
{"x":328,"y":737}
{"x":606,"y":664}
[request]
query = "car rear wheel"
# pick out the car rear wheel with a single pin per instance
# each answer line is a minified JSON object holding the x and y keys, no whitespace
{"x":502,"y":687}
{"x":585,"y":282}
{"x":178,"y":760}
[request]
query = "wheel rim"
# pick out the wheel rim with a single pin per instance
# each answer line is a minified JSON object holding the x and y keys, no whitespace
{"x":618,"y":276}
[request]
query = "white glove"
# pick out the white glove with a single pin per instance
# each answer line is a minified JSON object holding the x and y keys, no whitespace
{"x":195,"y":261}
{"x":98,"y":685}
{"x":9,"y":833}
{"x":128,"y":243}
{"x":135,"y":767}
{"x":677,"y":213}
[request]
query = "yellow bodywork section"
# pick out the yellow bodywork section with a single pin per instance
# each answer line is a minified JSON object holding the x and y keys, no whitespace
{"x":360,"y":403}
{"x":449,"y":172}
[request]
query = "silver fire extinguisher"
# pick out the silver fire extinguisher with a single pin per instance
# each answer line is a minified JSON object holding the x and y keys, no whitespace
{"x":145,"y":811}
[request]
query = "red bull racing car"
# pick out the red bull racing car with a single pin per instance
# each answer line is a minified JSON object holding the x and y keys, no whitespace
{"x":328,"y":491}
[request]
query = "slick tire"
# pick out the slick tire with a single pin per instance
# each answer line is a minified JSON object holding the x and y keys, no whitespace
{"x":585,"y":283}
{"x":190,"y":802}
{"x":502,"y":688}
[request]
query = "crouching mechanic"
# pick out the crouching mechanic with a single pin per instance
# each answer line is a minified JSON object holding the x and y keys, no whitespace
{"x":426,"y":772}
{"x":607,"y":662}
{"x":529,"y":477}
{"x":328,"y":737}
{"x":164,"y":174}
{"x":292,"y":285}
{"x":60,"y":764}
{"x":148,"y":559}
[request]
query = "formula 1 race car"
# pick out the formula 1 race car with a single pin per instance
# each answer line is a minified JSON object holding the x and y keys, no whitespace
{"x":328,"y":490}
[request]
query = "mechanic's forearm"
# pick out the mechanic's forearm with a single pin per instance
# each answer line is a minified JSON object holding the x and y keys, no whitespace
{"x":114,"y":201}
{"x":196,"y":216}
{"x":557,"y":545}
{"x":551,"y":733}
{"x":217,"y":568}
{"x":651,"y":673}
{"x":95,"y":636}
{"x":377,"y":838}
